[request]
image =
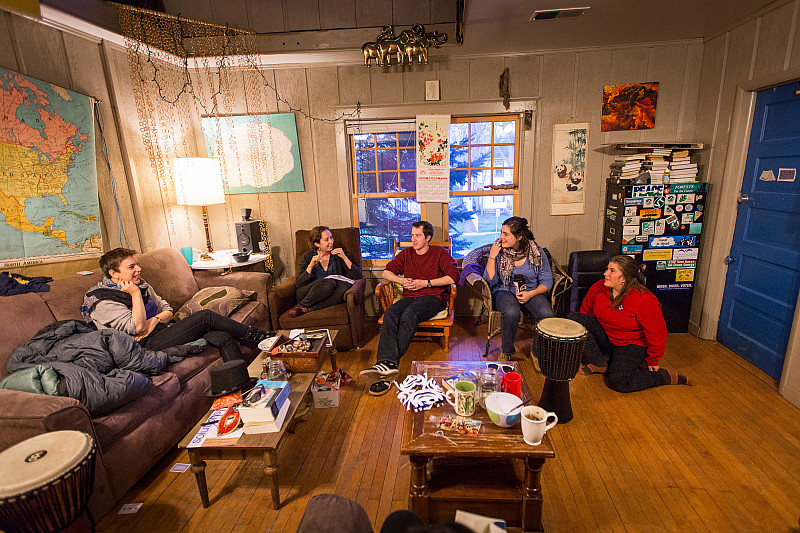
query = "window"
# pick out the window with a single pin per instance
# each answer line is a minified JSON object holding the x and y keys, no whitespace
{"x":484,"y":155}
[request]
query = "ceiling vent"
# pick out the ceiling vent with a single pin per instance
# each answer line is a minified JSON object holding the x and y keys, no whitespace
{"x":563,"y":13}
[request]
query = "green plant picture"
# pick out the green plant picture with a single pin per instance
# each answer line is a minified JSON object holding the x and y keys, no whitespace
{"x":569,"y":166}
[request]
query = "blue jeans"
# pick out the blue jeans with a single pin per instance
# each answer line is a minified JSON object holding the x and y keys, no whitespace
{"x":511,"y":310}
{"x":400,"y":323}
{"x":219,"y":331}
{"x":627,"y":371}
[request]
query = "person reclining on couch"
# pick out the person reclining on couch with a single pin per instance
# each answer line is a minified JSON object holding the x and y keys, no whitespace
{"x":125,"y":302}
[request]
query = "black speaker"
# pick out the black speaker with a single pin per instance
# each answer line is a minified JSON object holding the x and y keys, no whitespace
{"x":248,"y":236}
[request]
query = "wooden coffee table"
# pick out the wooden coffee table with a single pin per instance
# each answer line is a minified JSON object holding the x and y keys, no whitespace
{"x":494,"y":474}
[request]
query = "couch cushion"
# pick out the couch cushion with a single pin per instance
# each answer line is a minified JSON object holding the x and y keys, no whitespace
{"x":66,"y":295}
{"x":335,"y":315}
{"x":193,"y":364}
{"x":110,"y":427}
{"x":252,"y":314}
{"x":222,"y":300}
{"x":22,"y":315}
{"x":170,"y":276}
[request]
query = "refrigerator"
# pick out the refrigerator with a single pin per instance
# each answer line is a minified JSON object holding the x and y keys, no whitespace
{"x":661,"y":226}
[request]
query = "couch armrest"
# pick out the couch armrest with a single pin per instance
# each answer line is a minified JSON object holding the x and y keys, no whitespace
{"x":281,"y":299}
{"x":25,"y":415}
{"x":356,"y":291}
{"x":259,"y":282}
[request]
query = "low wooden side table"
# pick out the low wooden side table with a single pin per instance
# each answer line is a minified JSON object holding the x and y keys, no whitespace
{"x":479,"y":474}
{"x":249,"y":446}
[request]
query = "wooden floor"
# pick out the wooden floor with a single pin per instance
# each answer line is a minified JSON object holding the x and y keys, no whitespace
{"x":722,"y":455}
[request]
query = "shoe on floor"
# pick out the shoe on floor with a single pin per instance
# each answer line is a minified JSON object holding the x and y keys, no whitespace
{"x":379,"y":388}
{"x":378,"y":371}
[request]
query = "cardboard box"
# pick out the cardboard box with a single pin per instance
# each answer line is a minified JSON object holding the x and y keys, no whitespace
{"x":325,"y":395}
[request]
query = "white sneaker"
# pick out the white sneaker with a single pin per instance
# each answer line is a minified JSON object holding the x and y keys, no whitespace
{"x":379,"y":371}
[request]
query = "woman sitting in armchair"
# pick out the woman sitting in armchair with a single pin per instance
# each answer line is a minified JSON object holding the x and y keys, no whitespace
{"x":519,"y":276}
{"x":324,"y":275}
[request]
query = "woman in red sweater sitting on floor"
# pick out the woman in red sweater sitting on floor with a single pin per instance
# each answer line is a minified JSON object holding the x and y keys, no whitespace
{"x":627,"y":333}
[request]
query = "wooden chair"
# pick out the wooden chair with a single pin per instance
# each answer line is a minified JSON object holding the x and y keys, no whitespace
{"x":387,"y":293}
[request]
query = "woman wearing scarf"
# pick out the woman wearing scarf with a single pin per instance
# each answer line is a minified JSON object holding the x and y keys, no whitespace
{"x":519,"y":276}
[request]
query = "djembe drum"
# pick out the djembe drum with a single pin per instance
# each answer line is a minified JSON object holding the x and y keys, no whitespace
{"x":46,"y":482}
{"x":559,"y":343}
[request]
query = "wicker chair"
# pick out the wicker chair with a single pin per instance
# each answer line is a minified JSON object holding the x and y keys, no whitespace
{"x":439,"y":326}
{"x":474,"y":265}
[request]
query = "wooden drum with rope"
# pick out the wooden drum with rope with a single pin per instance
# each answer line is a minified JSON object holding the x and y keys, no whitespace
{"x":559,"y":343}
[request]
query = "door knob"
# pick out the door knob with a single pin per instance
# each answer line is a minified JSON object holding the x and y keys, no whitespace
{"x":729,"y":259}
{"x":743,"y":199}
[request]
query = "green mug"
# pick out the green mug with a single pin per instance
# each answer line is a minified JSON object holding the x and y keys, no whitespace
{"x":463,"y":400}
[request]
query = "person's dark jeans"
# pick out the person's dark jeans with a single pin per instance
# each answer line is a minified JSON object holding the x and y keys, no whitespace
{"x":400,"y":323}
{"x":321,"y":293}
{"x":220,"y":332}
{"x":627,"y":371}
{"x":511,"y":310}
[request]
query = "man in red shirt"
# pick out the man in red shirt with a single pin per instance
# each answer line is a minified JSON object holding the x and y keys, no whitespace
{"x":427,"y":273}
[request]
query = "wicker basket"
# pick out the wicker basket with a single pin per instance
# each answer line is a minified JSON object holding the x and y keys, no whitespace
{"x":304,"y":361}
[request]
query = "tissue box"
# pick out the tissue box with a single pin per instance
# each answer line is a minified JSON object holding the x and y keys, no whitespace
{"x":325,"y":395}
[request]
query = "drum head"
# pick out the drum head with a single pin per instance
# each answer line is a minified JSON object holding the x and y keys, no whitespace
{"x":561,"y":328}
{"x":41,"y":459}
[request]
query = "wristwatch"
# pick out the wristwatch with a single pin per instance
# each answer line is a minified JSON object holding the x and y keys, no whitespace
{"x":429,"y":284}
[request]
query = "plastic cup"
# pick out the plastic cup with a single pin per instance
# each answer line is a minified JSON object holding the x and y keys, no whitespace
{"x":512,"y":384}
{"x":187,"y":253}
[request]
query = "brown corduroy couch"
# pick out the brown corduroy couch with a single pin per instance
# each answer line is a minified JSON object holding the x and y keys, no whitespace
{"x":134,"y":437}
{"x":347,"y":317}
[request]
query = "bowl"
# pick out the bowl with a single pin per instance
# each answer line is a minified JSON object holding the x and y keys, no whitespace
{"x":498,"y":403}
{"x":241,"y":257}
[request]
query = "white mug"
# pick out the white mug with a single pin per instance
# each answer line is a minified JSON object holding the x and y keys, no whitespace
{"x":534,"y":424}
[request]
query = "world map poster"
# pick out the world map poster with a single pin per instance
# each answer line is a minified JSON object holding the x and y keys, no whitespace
{"x":49,"y":208}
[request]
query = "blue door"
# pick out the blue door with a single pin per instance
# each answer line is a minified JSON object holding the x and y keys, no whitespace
{"x":763,"y":275}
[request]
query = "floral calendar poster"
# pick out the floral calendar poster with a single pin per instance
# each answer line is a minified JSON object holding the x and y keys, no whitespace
{"x":433,"y":158}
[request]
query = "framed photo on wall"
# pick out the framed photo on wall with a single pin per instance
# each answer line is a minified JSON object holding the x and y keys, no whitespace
{"x":569,"y":168}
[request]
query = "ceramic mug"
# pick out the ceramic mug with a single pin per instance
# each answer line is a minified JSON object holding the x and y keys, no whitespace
{"x":534,"y":424}
{"x":463,"y":400}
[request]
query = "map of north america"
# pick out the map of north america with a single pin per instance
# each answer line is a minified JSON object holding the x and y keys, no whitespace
{"x":48,"y":178}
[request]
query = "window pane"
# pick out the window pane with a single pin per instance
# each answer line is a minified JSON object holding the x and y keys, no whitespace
{"x":458,"y":156}
{"x":387,"y":159}
{"x":458,"y":180}
{"x":458,"y":133}
{"x":364,"y":140}
{"x":365,"y":160}
{"x":480,"y":178}
{"x":481,"y":133}
{"x":476,"y":220}
{"x":408,"y":159}
{"x":366,"y":182}
{"x":504,"y":132}
{"x":388,"y":182}
{"x":408,"y":181}
{"x":386,"y":140}
{"x":406,"y":138}
{"x":381,"y":221}
{"x":503,"y":176}
{"x":504,"y":156}
{"x":481,"y":156}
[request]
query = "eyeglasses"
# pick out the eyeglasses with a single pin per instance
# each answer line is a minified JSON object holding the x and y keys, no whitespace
{"x":256,"y":396}
{"x":500,"y":366}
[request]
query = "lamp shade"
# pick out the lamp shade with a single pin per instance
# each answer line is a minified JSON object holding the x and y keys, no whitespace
{"x":198,"y":181}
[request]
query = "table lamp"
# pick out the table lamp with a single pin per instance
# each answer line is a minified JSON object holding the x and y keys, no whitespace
{"x":198,"y":181}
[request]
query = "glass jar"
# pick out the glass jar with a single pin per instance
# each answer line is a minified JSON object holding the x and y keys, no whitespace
{"x":489,"y":382}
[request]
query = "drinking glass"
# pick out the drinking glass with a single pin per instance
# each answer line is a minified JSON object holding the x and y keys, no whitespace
{"x":489,"y":383}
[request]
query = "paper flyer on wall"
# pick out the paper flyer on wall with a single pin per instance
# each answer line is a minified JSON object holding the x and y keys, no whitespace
{"x":433,"y":158}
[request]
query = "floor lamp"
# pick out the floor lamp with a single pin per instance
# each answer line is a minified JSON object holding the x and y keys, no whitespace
{"x":198,"y":181}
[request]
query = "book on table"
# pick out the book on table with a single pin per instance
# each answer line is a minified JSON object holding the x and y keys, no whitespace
{"x":265,"y":401}
{"x":251,"y":428}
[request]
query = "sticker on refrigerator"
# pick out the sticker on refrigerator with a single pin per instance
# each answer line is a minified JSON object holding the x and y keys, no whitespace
{"x":679,"y":208}
{"x":672,"y":220}
{"x":695,"y":228}
{"x":668,"y":211}
{"x":631,"y":211}
{"x":633,"y":201}
{"x":673,"y":286}
{"x":648,"y":228}
{"x":659,"y":202}
{"x":689,"y":207}
{"x":629,"y":249}
{"x":630,"y":221}
{"x":767,"y":175}
{"x":787,"y":174}
{"x":660,"y":227}
{"x":677,"y":188}
{"x":647,"y":190}
{"x":661,"y":265}
{"x":611,"y":214}
{"x":687,"y":218}
{"x":641,"y":238}
{"x":657,"y":255}
{"x":684,"y":274}
{"x":672,"y":241}
{"x":649,"y":201}
{"x":650,"y":214}
{"x":684,"y":254}
{"x":685,"y":199}
{"x":697,"y":214}
{"x":630,"y":231}
{"x":670,"y":199}
{"x":672,"y":265}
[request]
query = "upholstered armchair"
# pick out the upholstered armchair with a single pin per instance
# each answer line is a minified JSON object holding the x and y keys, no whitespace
{"x":347,"y":317}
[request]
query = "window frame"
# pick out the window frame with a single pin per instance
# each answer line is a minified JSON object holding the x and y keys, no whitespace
{"x":401,"y":125}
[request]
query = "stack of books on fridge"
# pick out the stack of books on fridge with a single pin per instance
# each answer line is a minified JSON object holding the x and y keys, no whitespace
{"x":626,"y":167}
{"x":681,"y":168}
{"x":264,"y":409}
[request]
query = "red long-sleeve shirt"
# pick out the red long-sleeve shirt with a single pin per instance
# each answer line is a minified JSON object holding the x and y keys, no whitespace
{"x":638,"y":320}
{"x":433,"y":264}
